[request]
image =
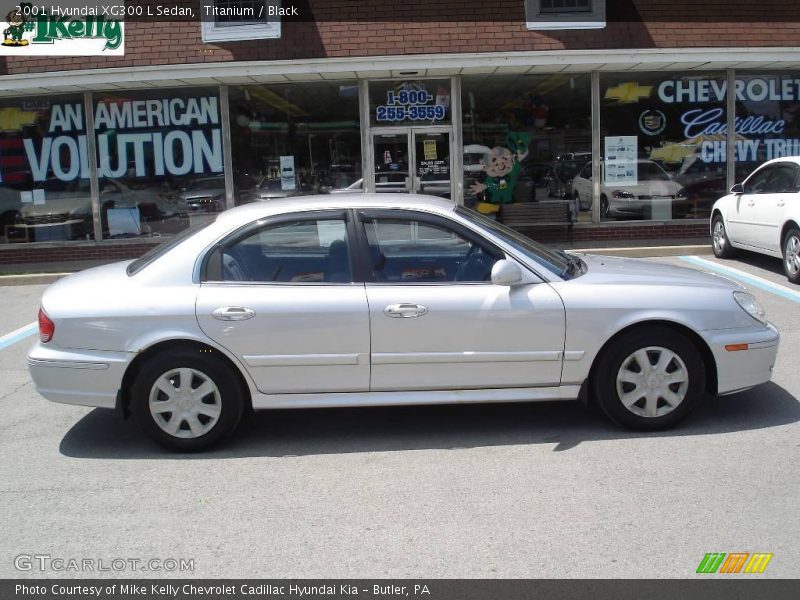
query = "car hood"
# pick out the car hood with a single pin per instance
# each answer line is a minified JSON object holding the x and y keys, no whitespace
{"x":634,"y":271}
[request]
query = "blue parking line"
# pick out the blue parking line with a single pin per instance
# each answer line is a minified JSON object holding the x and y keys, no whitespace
{"x":753,"y":280}
{"x":18,"y":335}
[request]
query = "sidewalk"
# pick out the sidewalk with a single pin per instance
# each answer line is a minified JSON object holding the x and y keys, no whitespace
{"x":44,"y":273}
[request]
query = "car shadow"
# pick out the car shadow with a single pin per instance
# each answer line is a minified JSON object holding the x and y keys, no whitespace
{"x":760,"y":261}
{"x":278,"y":433}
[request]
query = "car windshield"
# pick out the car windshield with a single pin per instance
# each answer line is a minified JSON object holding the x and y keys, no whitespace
{"x":568,"y":169}
{"x":206,"y":184}
{"x":556,"y":261}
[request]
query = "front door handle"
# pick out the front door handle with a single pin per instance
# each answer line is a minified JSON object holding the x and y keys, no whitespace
{"x":781,"y":202}
{"x":404,"y":311}
{"x":233,"y":313}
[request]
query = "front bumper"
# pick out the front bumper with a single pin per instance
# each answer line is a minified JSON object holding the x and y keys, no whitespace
{"x":83,"y":377}
{"x":741,"y":369}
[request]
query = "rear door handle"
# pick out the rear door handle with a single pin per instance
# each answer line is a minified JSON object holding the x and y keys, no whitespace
{"x":233,"y":313}
{"x":781,"y":202}
{"x":404,"y":311}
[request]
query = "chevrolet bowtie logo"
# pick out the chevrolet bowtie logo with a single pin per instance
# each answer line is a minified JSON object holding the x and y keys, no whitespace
{"x":625,"y":93}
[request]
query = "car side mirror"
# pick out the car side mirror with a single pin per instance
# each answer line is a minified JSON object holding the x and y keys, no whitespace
{"x":506,"y":272}
{"x":737,"y":189}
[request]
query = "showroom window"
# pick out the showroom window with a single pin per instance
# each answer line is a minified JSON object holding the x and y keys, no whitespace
{"x":296,"y":139}
{"x":44,"y":170}
{"x":235,"y":20}
{"x":565,"y":14}
{"x":767,"y":120}
{"x":159,"y":160}
{"x":663,"y":145}
{"x":525,"y":138}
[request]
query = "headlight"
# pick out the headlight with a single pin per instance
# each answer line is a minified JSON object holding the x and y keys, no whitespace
{"x":751,"y":306}
{"x":622,"y":194}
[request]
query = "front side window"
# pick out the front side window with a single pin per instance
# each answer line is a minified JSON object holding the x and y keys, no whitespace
{"x":773,"y":179}
{"x":302,"y":251}
{"x":412,"y":251}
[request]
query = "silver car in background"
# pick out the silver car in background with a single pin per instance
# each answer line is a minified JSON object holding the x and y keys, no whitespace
{"x":387,"y":299}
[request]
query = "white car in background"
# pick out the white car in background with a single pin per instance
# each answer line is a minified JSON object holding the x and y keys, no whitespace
{"x":763,"y":215}
{"x":655,"y":194}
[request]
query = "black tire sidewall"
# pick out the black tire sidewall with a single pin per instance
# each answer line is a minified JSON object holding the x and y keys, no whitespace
{"x":791,"y":232}
{"x":220,"y":374}
{"x":610,"y":362}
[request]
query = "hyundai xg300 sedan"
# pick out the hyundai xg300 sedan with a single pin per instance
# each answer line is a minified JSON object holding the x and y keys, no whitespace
{"x":762,"y":215}
{"x":387,"y":299}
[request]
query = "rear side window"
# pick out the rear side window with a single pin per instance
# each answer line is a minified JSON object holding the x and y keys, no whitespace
{"x":302,"y":251}
{"x":158,"y":251}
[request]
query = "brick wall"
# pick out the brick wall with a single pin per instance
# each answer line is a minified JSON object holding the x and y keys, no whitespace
{"x":341,"y":29}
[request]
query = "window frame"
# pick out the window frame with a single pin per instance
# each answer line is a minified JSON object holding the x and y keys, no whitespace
{"x":212,"y":32}
{"x":211,"y":270}
{"x":536,"y":18}
{"x":365,"y":215}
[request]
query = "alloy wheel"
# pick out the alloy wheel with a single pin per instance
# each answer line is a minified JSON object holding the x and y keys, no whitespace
{"x":718,"y":237}
{"x":791,"y":255}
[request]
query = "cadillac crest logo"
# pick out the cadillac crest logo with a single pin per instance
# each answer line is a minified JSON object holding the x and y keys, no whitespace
{"x":652,"y":122}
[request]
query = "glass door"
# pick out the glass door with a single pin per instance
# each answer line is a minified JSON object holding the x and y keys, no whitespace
{"x":413,"y":160}
{"x":392,"y":157}
{"x":432,"y":169}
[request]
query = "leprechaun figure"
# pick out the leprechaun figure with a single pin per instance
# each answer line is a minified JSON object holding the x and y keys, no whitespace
{"x":12,"y":35}
{"x":501,"y":167}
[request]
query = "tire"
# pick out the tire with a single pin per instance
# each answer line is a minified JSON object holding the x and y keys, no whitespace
{"x":720,"y":243}
{"x":645,"y":405}
{"x":791,"y":255}
{"x":604,"y":208}
{"x":220,"y":408}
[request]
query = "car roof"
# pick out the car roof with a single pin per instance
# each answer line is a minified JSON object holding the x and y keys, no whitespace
{"x":259,"y":210}
{"x":794,"y":159}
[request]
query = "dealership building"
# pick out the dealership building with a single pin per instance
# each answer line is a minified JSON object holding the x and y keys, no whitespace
{"x":634,"y":115}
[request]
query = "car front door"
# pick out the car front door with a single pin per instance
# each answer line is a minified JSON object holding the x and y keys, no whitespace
{"x":746,"y":217}
{"x":771,"y":207}
{"x":281,"y":297}
{"x":437,"y":321}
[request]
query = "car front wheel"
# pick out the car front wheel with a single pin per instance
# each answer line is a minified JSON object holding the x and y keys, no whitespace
{"x":649,"y":379}
{"x":791,"y":255}
{"x":720,"y":243}
{"x":186,"y":401}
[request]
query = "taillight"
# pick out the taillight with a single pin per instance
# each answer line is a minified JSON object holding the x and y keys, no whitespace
{"x":46,"y":327}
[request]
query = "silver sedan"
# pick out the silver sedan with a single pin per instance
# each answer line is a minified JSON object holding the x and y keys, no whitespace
{"x":364,"y":300}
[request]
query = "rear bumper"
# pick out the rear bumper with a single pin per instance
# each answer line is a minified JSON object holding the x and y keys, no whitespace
{"x":83,"y":377}
{"x":742,"y":369}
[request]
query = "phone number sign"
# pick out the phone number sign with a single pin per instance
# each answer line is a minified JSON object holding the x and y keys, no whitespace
{"x":410,"y":105}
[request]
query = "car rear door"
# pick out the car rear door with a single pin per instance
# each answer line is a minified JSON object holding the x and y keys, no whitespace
{"x":282,"y":297}
{"x":437,"y":321}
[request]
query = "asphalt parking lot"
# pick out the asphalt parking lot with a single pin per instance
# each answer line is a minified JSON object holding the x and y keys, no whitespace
{"x":520,"y":490}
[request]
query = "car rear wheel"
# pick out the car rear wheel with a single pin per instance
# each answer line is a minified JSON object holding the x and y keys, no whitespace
{"x":186,"y":401}
{"x":720,"y":243}
{"x":604,"y":208}
{"x":649,"y":379}
{"x":791,"y":255}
